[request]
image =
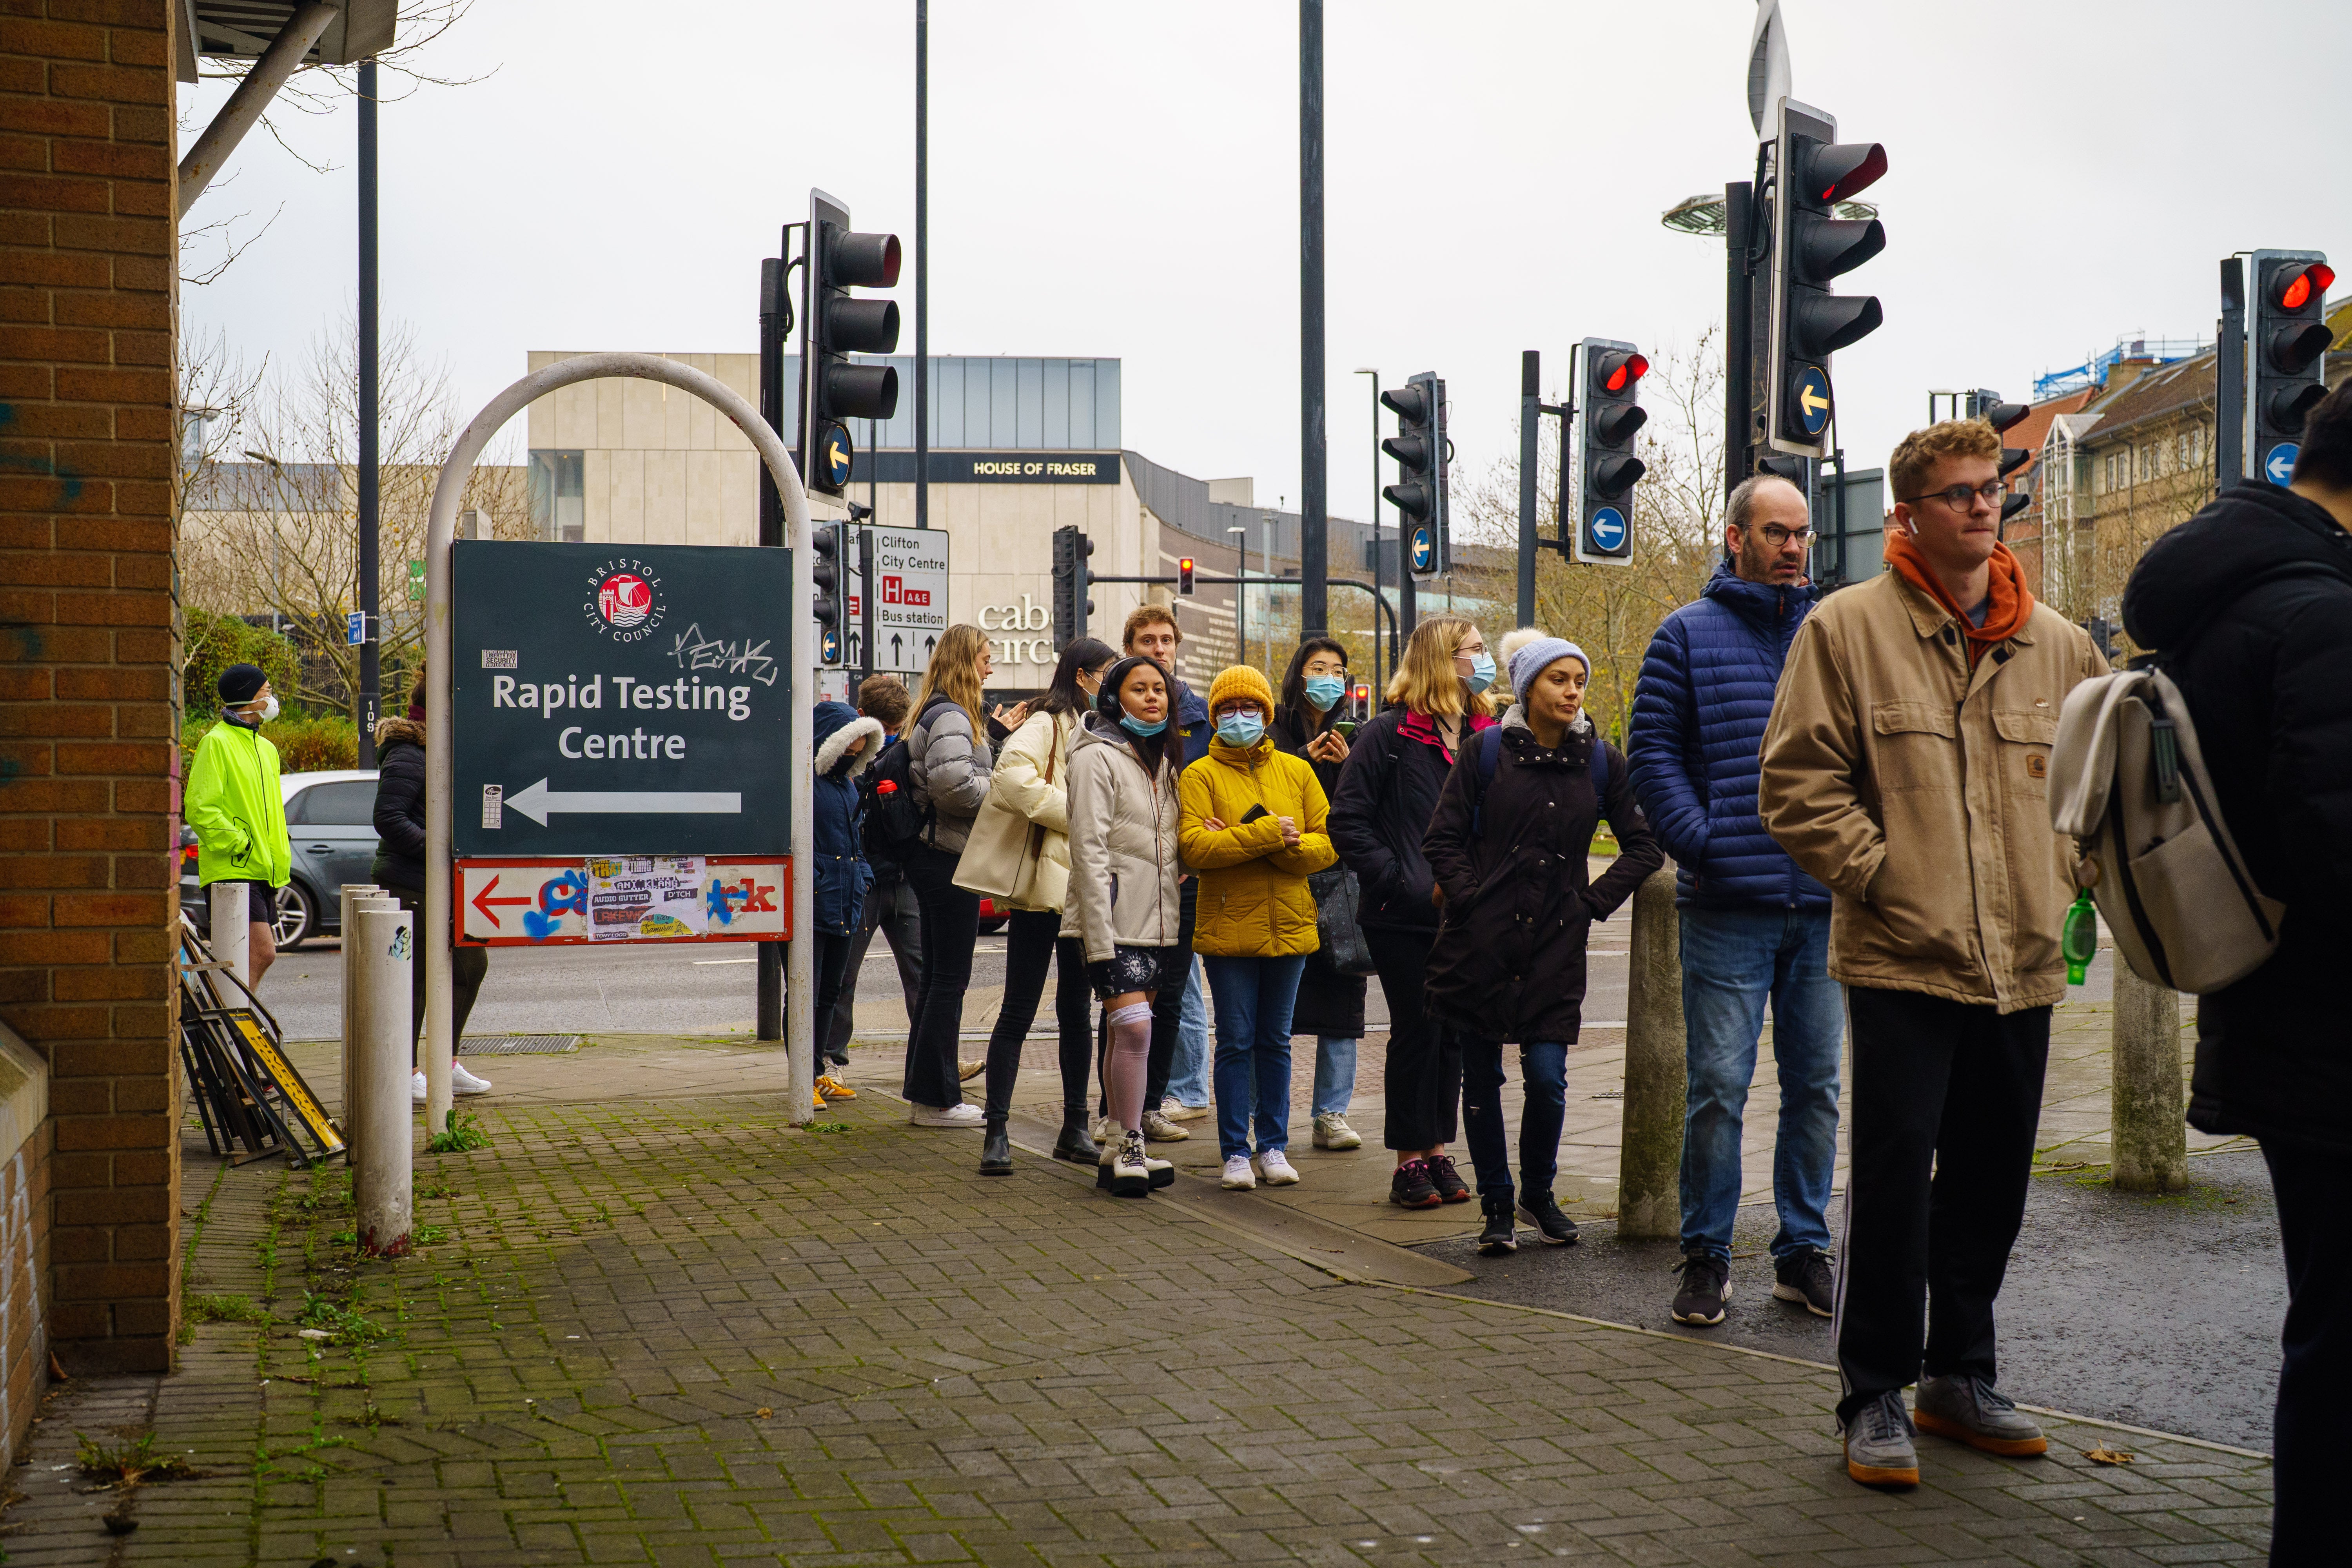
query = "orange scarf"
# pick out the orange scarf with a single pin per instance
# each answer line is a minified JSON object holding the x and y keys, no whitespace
{"x":2012,"y":601}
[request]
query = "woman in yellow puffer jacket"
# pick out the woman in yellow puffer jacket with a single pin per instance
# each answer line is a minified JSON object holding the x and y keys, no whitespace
{"x":1253,"y":831}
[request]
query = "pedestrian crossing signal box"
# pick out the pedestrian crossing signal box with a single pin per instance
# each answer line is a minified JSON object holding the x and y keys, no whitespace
{"x":621,"y":699}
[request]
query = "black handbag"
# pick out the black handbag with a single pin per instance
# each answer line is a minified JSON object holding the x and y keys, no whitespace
{"x":1339,"y":911}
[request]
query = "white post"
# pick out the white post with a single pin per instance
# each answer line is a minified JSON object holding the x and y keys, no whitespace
{"x":439,"y":928}
{"x":351,"y":893}
{"x":232,"y":929}
{"x":383,"y":948}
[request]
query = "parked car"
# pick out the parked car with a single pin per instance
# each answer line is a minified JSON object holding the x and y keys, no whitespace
{"x":331,"y":821}
{"x":994,"y":919}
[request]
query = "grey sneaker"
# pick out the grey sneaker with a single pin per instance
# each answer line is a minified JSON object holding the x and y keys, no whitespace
{"x":1160,"y":1130}
{"x":1706,"y":1287}
{"x":1970,"y":1410}
{"x":1806,"y":1277}
{"x":1332,"y":1131}
{"x":1878,"y":1452}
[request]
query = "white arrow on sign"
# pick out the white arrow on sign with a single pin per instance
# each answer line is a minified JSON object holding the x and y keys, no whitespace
{"x":538,"y":803}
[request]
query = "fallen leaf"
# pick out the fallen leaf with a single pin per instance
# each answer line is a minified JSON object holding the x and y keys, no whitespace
{"x":2106,"y":1456}
{"x":763,"y":1413}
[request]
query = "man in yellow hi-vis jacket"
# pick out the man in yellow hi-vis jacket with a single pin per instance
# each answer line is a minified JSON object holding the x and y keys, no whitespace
{"x":234,"y":804}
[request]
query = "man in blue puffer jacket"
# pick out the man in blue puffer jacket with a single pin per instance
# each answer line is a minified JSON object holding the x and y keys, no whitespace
{"x":1753,"y":925}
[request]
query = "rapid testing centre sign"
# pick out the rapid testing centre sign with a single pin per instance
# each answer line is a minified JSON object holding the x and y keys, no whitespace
{"x":619,"y":700}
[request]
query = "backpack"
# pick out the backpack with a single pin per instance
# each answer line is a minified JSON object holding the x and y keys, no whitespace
{"x":892,"y":822}
{"x":2128,"y":782}
{"x":1490,"y":757}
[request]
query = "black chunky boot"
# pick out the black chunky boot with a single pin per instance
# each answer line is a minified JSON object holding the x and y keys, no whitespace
{"x":995,"y":1150}
{"x":1501,"y":1234}
{"x":1074,"y":1145}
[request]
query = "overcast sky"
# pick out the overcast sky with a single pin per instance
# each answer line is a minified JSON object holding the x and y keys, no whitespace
{"x":1121,"y":180}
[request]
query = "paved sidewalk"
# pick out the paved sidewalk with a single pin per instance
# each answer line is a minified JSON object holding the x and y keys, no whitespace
{"x":680,"y":1331}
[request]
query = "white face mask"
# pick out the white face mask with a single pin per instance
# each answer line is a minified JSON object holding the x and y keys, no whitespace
{"x":268,"y":708}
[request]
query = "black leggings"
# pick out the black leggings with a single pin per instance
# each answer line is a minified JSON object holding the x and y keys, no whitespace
{"x":1422,"y":1078}
{"x":832,"y":950}
{"x":468,"y":965}
{"x":1032,"y":939}
{"x":951,"y":931}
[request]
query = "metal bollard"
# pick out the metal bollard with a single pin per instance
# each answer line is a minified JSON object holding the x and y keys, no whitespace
{"x":2146,"y":1116}
{"x":1657,"y":1071}
{"x":232,"y":929}
{"x":351,"y":893}
{"x":382,"y":1147}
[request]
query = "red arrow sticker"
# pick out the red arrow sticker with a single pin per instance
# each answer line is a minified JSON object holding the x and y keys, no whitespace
{"x":482,"y":902}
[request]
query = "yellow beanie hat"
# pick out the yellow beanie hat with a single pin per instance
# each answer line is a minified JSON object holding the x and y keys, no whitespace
{"x":1241,"y":680}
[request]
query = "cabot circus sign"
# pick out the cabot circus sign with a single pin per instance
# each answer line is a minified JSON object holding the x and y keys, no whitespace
{"x":1027,"y":616}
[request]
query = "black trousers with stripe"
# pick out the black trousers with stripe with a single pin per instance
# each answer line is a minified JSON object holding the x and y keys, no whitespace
{"x":1947,"y":1098}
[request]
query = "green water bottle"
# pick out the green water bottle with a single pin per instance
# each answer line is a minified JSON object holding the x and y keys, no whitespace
{"x":2080,"y":942}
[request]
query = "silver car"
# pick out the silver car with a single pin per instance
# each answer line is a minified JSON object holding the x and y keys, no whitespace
{"x":330,"y":824}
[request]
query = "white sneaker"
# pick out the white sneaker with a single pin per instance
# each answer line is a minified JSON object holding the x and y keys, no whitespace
{"x":417,"y":1090}
{"x":1238,"y":1178}
{"x":1332,"y":1131}
{"x":1177,"y":1110}
{"x":463,"y":1082}
{"x":1277,"y":1171}
{"x":963,"y":1114}
{"x":1105,"y":1132}
{"x":1157,"y":1129}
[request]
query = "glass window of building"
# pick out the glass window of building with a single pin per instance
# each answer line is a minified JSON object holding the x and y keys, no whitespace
{"x":558,"y":489}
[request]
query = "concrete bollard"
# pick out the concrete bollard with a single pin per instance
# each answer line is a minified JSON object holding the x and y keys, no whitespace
{"x":2148,"y":1119}
{"x":232,"y":917}
{"x":382,"y":1142}
{"x":349,"y":896}
{"x":1649,"y":1171}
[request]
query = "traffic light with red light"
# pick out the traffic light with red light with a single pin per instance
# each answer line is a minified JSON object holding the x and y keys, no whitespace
{"x":1363,"y":700}
{"x":1814,"y":172}
{"x":835,"y":325}
{"x":1608,"y":415}
{"x":1185,"y":575}
{"x":1419,"y":449}
{"x":2287,"y":336}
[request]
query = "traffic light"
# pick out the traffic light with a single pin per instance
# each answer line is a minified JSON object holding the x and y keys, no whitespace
{"x":837,"y":325}
{"x":1363,"y":700}
{"x":830,"y":544}
{"x":1071,"y":605}
{"x":1185,"y":575}
{"x":1813,"y":172}
{"x":2286,"y":351}
{"x":1988,"y":407}
{"x":1419,"y":449}
{"x":1608,"y":415}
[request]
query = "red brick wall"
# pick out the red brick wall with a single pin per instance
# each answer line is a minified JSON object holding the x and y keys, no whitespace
{"x":89,"y":651}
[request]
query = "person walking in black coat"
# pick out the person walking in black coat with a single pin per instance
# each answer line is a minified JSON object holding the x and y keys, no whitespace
{"x":2250,"y":604}
{"x":1388,"y":791}
{"x":399,"y":868}
{"x":1508,"y":847}
{"x":1309,"y":723}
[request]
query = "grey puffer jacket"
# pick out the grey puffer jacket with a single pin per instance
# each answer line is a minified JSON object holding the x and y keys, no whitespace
{"x":1123,"y":844}
{"x":950,"y":766}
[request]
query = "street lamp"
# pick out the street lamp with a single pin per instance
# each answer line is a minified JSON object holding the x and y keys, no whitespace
{"x":1375,"y":374}
{"x":1241,"y":593}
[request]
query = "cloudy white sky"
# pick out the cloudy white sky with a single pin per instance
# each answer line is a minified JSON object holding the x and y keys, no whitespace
{"x":1121,"y":180}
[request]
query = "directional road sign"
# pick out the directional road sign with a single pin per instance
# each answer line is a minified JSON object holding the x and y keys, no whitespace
{"x":910,"y":601}
{"x":355,"y":628}
{"x":2278,"y":463}
{"x":1810,"y":389}
{"x":627,"y":700}
{"x":1424,"y":550}
{"x":1608,"y":528}
{"x":839,"y":456}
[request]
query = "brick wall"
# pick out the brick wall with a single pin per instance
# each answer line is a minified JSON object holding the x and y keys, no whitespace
{"x":89,"y":651}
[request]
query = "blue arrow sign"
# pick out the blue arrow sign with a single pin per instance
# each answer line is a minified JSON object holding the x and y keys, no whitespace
{"x":829,"y":650}
{"x":1425,"y":550}
{"x":2278,"y":466}
{"x":1809,"y":394}
{"x":1607,"y":531}
{"x":837,"y":456}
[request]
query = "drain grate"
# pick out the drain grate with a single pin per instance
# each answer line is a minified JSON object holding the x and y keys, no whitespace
{"x":516,"y":1045}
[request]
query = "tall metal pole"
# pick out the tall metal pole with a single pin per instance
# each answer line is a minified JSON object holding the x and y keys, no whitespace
{"x":922,"y":263}
{"x":768,"y":977}
{"x":1377,"y":687}
{"x":1314,"y":564}
{"x":1739,"y":339}
{"x":1530,"y":417}
{"x":371,"y":672}
{"x":2229,"y":377}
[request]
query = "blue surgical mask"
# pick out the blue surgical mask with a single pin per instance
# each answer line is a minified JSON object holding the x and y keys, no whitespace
{"x":1240,"y":729}
{"x":1481,"y":671}
{"x":1325,"y":691}
{"x":1135,"y":726}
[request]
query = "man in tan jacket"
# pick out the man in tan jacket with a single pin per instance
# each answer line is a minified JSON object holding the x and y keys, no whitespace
{"x":1906,"y":766}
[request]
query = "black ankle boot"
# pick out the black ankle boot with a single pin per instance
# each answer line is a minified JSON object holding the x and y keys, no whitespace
{"x":1501,"y":1234}
{"x":996,"y":1151}
{"x":1074,"y":1144}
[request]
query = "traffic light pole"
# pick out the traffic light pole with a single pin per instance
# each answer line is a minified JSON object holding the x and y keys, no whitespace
{"x":370,"y":674}
{"x":768,"y":1006}
{"x":922,"y":264}
{"x":1530,"y":415}
{"x":1740,"y":338}
{"x":1313,"y":560}
{"x":2229,"y":377}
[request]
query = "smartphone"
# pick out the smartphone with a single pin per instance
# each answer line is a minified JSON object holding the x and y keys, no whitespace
{"x":1253,"y":812}
{"x":1345,"y":728}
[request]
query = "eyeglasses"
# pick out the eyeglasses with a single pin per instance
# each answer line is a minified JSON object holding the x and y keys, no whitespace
{"x":1958,"y":497}
{"x":1779,"y":537}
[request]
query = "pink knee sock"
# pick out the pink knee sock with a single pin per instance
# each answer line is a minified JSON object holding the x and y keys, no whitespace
{"x":1130,"y":1063}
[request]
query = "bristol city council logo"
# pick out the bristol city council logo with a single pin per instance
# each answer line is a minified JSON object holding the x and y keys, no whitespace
{"x":624,"y":600}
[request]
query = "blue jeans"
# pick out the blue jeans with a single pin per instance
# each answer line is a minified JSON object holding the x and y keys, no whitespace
{"x":1335,"y":1073}
{"x":1188,"y":1083}
{"x":1544,"y":1066}
{"x":1254,"y":996}
{"x":1732,"y":961}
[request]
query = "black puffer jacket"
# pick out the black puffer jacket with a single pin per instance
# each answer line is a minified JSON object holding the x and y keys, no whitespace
{"x":1509,"y":959}
{"x":2250,"y":604}
{"x":400,"y":805}
{"x":1388,"y":792}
